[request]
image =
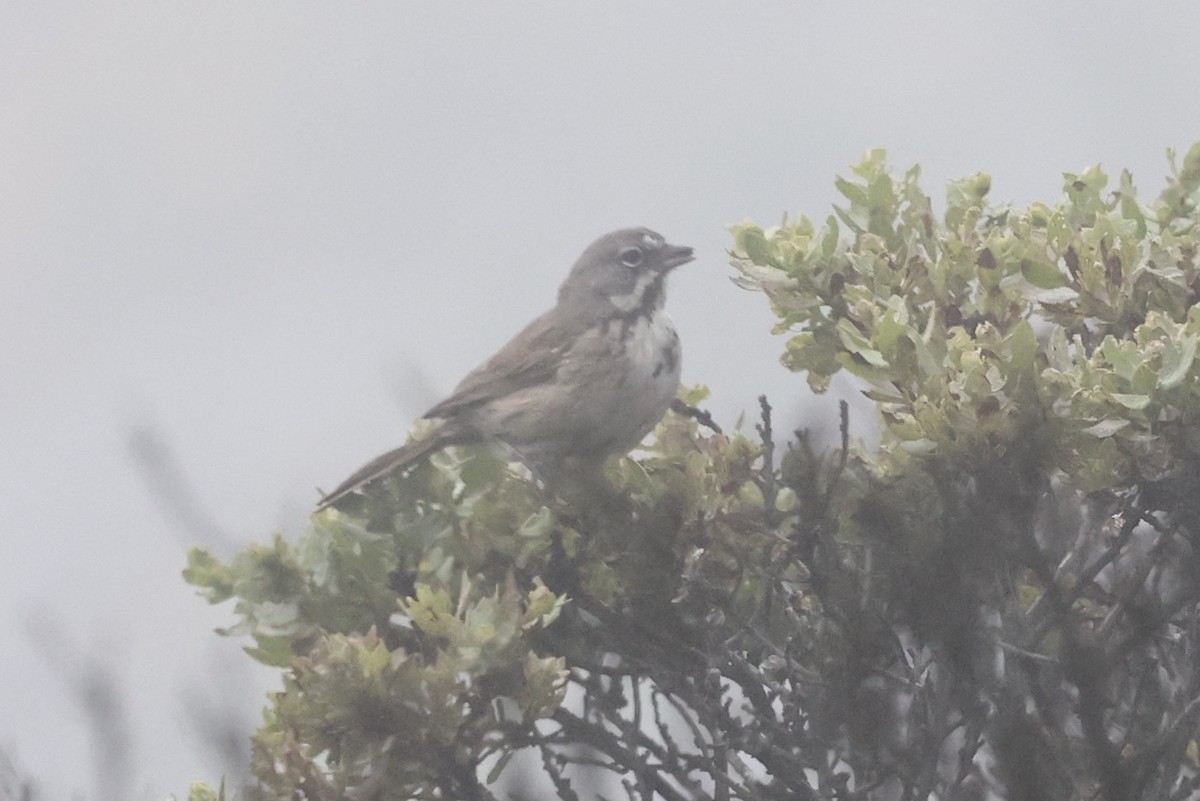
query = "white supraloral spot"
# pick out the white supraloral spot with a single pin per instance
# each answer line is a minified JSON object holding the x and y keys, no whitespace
{"x":651,"y":240}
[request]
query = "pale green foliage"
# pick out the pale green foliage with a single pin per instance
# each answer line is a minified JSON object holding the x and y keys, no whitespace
{"x":202,"y":792}
{"x":1073,"y":323}
{"x":413,"y":637}
{"x":1035,"y":494}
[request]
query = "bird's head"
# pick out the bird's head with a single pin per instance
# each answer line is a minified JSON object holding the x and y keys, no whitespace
{"x":623,"y":270}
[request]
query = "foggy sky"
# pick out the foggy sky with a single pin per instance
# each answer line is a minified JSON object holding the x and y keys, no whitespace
{"x":244,"y":245}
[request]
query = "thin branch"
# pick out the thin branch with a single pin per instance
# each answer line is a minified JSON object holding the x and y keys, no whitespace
{"x":554,"y":769}
{"x":701,"y":416}
{"x":606,"y":742}
{"x":844,"y":429}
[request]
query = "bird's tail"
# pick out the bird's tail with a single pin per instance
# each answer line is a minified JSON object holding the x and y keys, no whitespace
{"x":387,"y":464}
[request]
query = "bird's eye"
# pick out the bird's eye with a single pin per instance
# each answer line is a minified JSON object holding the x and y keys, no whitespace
{"x":632,"y":257}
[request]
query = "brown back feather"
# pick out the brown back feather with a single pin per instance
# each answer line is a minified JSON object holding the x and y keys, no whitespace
{"x":530,"y":358}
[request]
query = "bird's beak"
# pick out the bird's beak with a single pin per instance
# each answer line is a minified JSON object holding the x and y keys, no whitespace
{"x":675,"y":255}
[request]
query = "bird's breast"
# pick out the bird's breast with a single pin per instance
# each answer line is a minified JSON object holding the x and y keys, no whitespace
{"x":615,"y":384}
{"x":648,"y":379}
{"x":652,"y":352}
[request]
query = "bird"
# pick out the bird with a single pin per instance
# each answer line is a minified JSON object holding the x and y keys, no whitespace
{"x":588,"y":379}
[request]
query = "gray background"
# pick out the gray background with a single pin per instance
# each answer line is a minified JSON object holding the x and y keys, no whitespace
{"x":242,"y":245}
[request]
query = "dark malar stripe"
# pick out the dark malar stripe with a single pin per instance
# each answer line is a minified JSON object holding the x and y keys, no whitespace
{"x":651,"y":300}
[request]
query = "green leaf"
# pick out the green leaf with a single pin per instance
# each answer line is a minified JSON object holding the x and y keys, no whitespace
{"x":373,"y":656}
{"x":1022,"y":346}
{"x":545,"y":684}
{"x":853,"y":192}
{"x":816,"y":352}
{"x":212,"y":576}
{"x":432,"y":612}
{"x":1124,"y":356}
{"x":830,"y":235}
{"x":1095,"y":463}
{"x":542,"y":606}
{"x":880,"y":396}
{"x":854,"y":342}
{"x":919,"y":447}
{"x":1135,"y":402}
{"x":538,"y":525}
{"x":199,"y":791}
{"x":1043,"y":275}
{"x":272,"y":651}
{"x":1178,"y":356}
{"x":892,"y":325}
{"x":750,"y":240}
{"x":1106,"y":427}
{"x":968,"y":191}
{"x":1191,"y":160}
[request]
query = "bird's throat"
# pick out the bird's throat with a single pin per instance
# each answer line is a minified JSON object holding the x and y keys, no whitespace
{"x":646,"y":296}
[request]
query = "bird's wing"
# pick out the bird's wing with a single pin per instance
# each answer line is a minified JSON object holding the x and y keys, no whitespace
{"x":532,"y":357}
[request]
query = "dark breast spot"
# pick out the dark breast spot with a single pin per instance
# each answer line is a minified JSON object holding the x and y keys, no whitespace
{"x":668,"y":357}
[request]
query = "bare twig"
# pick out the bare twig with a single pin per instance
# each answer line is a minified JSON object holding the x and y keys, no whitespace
{"x":701,"y":416}
{"x":606,"y":742}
